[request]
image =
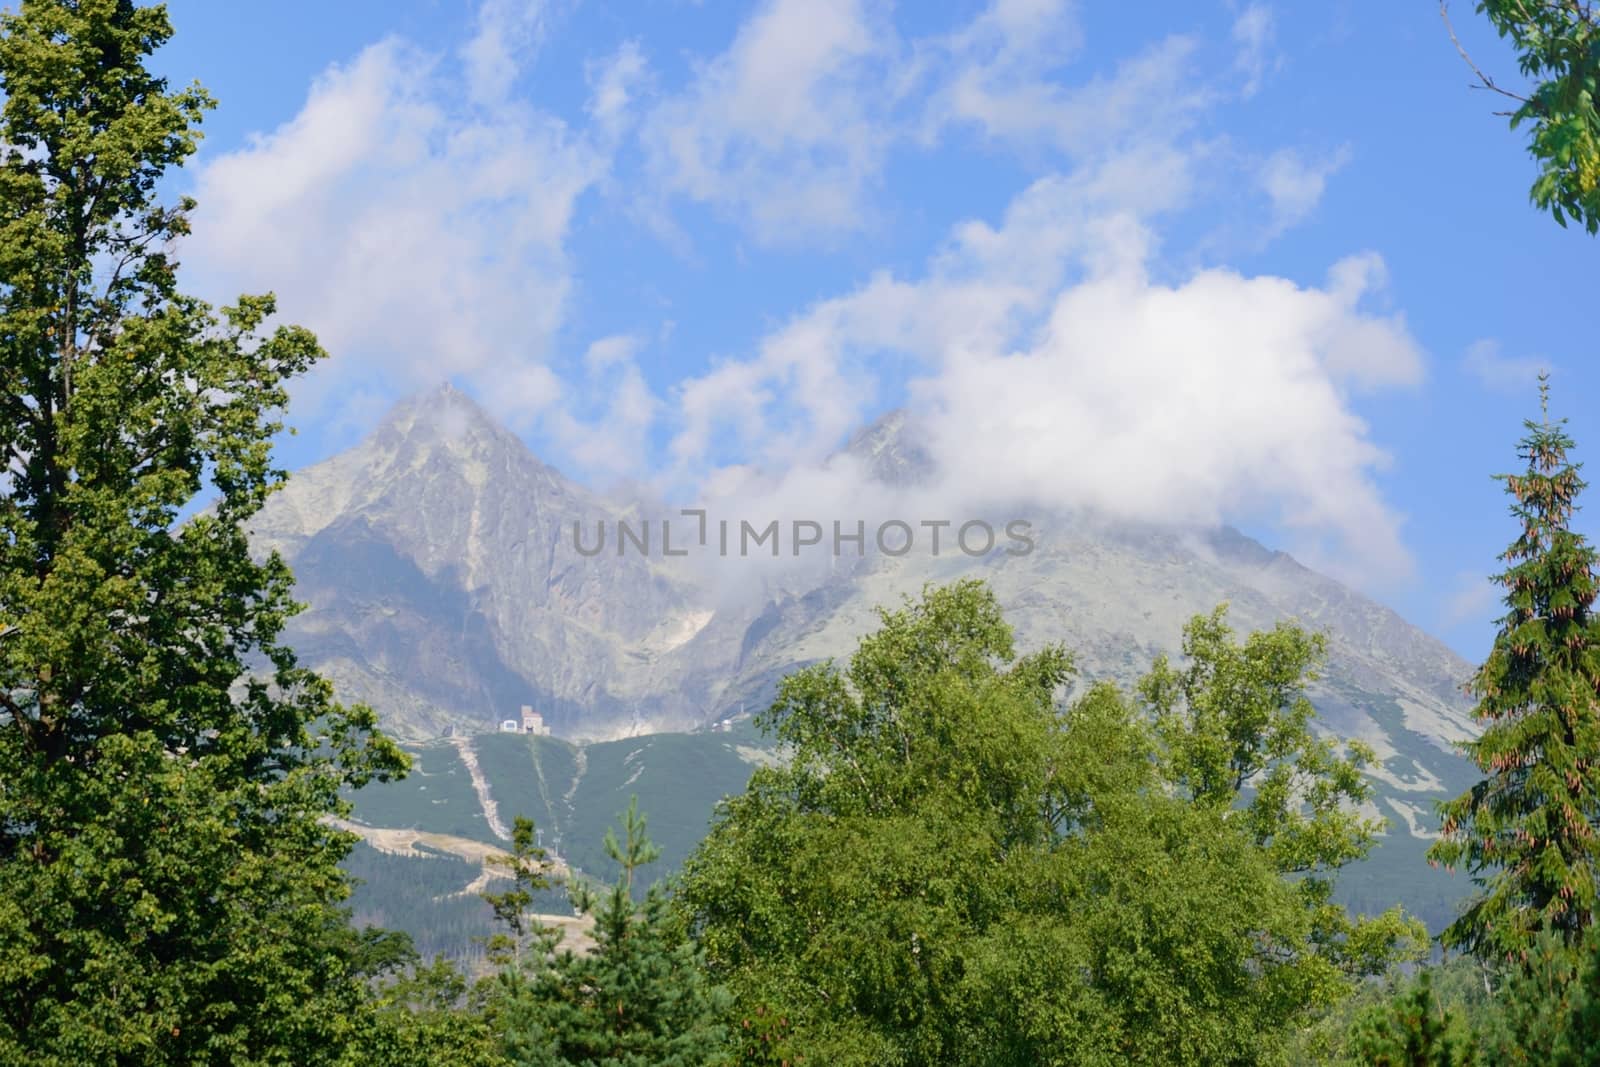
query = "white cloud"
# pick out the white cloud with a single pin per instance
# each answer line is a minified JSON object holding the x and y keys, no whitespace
{"x":816,"y":377}
{"x":1217,"y":397}
{"x":1253,"y":33}
{"x":416,"y":215}
{"x":610,"y":352}
{"x":421,"y":235}
{"x":788,"y":131}
{"x":1047,"y":366}
{"x":614,"y":442}
{"x":779,"y":131}
{"x":1366,"y":351}
{"x":1294,"y":184}
{"x":1501,"y":373}
{"x":614,"y":85}
{"x":1012,"y":98}
{"x":505,"y":33}
{"x":989,"y":70}
{"x":1045,"y":357}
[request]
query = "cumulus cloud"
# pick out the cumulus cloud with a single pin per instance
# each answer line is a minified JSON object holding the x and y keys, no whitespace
{"x":816,"y":377}
{"x":1048,"y":366}
{"x":413,"y":219}
{"x":778,"y":131}
{"x":415,"y":213}
{"x":1223,"y":395}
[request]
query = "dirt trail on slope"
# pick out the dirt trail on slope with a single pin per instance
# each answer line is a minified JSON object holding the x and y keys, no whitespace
{"x":416,"y":843}
{"x":544,"y":794}
{"x":580,"y":764}
{"x":397,"y":842}
{"x":480,"y":785}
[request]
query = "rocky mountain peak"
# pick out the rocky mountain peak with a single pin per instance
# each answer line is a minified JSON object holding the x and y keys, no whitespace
{"x":444,"y":419}
{"x":892,"y":450}
{"x":440,"y":562}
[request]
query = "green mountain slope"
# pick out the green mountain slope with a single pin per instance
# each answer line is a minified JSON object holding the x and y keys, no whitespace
{"x":575,"y":792}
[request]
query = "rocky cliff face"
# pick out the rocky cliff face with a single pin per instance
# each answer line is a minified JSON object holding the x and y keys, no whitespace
{"x":444,"y":585}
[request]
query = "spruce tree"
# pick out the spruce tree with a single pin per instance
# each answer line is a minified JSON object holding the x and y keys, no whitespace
{"x":639,"y":997}
{"x":1526,"y":831}
{"x":169,"y":888}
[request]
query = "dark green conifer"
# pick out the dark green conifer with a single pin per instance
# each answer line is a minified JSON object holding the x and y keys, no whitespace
{"x":169,"y":880}
{"x":639,"y":997}
{"x":1526,"y":832}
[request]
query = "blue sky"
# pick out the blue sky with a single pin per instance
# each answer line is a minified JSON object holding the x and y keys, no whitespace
{"x":1272,"y":264}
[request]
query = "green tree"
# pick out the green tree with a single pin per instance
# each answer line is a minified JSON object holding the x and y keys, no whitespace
{"x":1526,"y":831}
{"x":953,"y":869}
{"x":1547,"y":1009}
{"x":1415,"y":1030}
{"x":1543,"y":1010}
{"x":423,"y":1015}
{"x":639,"y":998}
{"x":1429,"y":1016}
{"x":1557,"y":43}
{"x":169,"y":886}
{"x":530,"y":869}
{"x":1235,"y":726}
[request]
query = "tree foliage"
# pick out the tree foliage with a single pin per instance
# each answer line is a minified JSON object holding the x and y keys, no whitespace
{"x":530,"y":869}
{"x":1557,"y":43}
{"x":1416,"y":1030}
{"x":169,"y":888}
{"x":1236,"y":728}
{"x":954,"y":869}
{"x":1542,"y":1010}
{"x":1526,"y":831}
{"x":639,"y":998}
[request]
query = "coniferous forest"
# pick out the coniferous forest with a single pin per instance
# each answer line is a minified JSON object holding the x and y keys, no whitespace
{"x":954,"y":862}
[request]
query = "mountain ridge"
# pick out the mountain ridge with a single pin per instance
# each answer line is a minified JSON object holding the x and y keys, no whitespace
{"x":444,"y":587}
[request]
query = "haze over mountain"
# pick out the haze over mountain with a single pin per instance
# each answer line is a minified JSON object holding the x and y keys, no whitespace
{"x":444,"y":587}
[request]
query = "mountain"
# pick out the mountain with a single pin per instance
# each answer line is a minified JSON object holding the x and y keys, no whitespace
{"x":443,"y":587}
{"x":441,"y":563}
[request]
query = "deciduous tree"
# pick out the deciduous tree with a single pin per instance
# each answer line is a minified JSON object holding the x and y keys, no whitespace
{"x":1557,"y":43}
{"x":953,"y":868}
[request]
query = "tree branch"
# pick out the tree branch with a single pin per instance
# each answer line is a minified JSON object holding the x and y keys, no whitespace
{"x":1488,"y":82}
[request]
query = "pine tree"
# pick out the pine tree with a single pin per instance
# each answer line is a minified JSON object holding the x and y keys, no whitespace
{"x":639,"y":997}
{"x":1526,"y":832}
{"x":169,"y":884}
{"x":1415,"y":1030}
{"x":529,"y":867}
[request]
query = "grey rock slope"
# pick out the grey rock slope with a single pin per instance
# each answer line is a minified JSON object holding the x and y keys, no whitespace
{"x":444,"y":587}
{"x":437,"y":562}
